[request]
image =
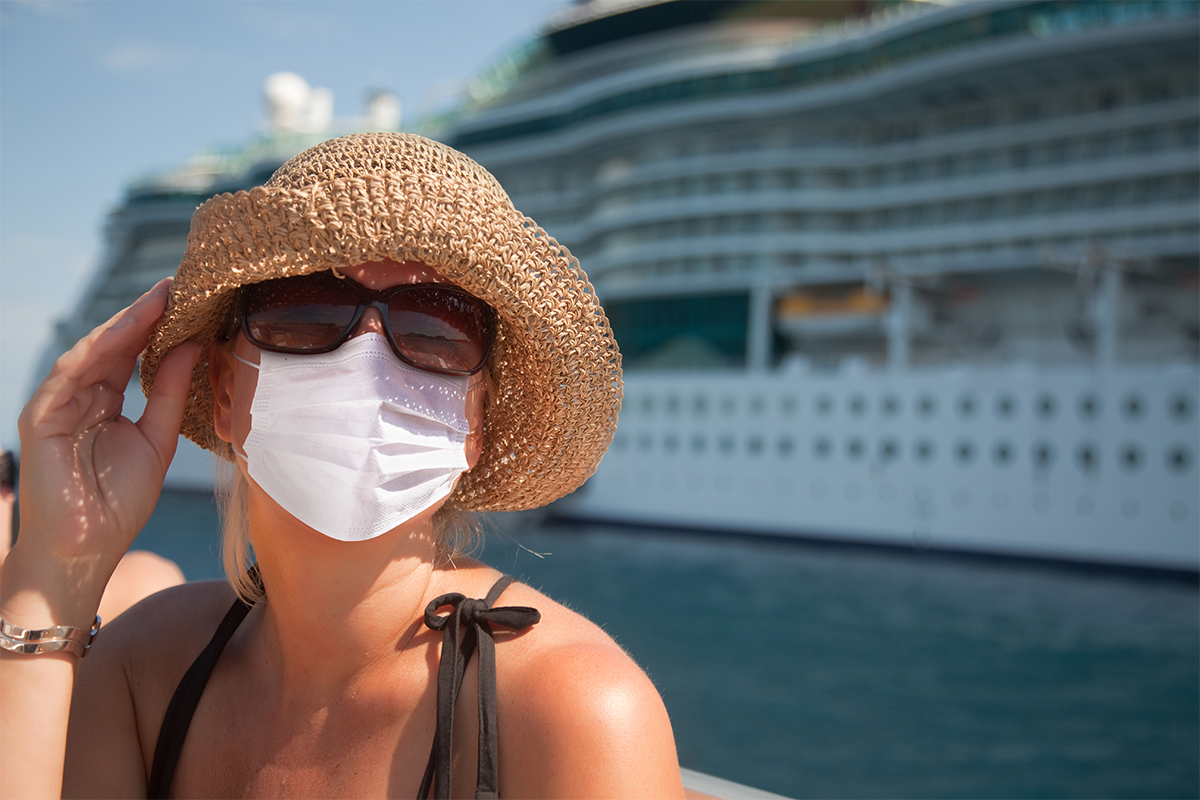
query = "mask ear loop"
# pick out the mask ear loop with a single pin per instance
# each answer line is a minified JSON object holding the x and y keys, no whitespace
{"x":242,"y":456}
{"x":247,"y":363}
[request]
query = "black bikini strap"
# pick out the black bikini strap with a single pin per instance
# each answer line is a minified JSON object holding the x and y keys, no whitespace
{"x":183,"y":704}
{"x":477,"y":616}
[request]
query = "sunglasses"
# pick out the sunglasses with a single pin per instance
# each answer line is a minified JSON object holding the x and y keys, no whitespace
{"x":431,"y":326}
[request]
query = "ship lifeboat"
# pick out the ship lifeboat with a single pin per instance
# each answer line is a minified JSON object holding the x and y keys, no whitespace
{"x":831,"y":311}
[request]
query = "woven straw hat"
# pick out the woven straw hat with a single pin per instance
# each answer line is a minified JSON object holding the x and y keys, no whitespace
{"x":377,"y":196}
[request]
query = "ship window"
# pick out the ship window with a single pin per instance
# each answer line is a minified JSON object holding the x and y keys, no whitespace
{"x":966,"y":405}
{"x":1043,"y":455}
{"x":1133,"y":407}
{"x":822,"y":447}
{"x":698,"y":443}
{"x":889,"y":449}
{"x":785,"y":445}
{"x":858,"y":405}
{"x":673,"y":404}
{"x":725,"y":443}
{"x":824,"y":405}
{"x":1002,"y":453}
{"x":700,"y":404}
{"x":671,"y":443}
{"x":1131,"y":457}
{"x":1089,"y":406}
{"x":728,"y":404}
{"x":924,"y":450}
{"x":1087,"y":458}
{"x":648,"y":404}
{"x":1005,"y":406}
{"x":757,"y":404}
{"x":1046,"y":406}
{"x":1181,"y":407}
{"x":964,"y":451}
{"x":890,"y":405}
{"x":926,"y":405}
{"x":855,"y":448}
{"x":754,"y":445}
{"x":1178,"y":459}
{"x":645,"y":442}
{"x":788,"y":405}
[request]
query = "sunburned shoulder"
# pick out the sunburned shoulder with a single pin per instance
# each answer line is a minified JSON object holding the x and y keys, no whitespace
{"x":571,"y":695}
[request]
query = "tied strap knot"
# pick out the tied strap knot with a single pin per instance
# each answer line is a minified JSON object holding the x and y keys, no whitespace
{"x":473,"y":618}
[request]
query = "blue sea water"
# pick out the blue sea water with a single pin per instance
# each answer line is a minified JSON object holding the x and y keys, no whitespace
{"x":850,"y":673}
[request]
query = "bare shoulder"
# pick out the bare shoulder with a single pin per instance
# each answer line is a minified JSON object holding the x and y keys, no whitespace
{"x":570,"y":696}
{"x":168,"y":624}
{"x":123,"y":687}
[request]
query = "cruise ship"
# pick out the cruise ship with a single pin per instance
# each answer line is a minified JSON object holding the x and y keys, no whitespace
{"x":896,"y":273}
{"x":888,"y":272}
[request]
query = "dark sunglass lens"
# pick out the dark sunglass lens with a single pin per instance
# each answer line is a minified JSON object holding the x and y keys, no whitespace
{"x":299,"y":314}
{"x":441,"y":329}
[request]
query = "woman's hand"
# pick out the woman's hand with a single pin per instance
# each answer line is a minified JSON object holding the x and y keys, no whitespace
{"x":90,"y":477}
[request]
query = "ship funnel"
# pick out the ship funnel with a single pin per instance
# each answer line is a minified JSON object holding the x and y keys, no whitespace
{"x":295,"y":107}
{"x":383,"y":111}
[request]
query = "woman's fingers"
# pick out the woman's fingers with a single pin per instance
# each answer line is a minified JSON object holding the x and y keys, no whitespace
{"x":107,"y":355}
{"x":165,"y":405}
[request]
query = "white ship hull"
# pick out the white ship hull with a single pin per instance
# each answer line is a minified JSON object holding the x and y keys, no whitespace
{"x":1060,"y":464}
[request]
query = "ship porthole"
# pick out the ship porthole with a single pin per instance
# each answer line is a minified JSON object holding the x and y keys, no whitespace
{"x":1133,"y":407}
{"x":926,"y":405}
{"x":966,"y":405}
{"x":924,"y":450}
{"x":964,"y":451}
{"x":1131,"y":457}
{"x":1087,"y":458}
{"x":1089,"y":406}
{"x":1006,"y":406}
{"x":1178,"y":459}
{"x":1043,"y":455}
{"x":1181,"y":407}
{"x":1046,"y":406}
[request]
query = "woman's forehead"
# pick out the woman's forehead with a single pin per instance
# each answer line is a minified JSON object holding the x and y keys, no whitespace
{"x":386,"y":274}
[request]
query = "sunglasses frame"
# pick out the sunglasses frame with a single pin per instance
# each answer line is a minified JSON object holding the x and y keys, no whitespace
{"x":377,"y":299}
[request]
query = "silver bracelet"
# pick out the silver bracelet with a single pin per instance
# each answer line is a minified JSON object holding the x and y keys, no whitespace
{"x":47,"y":640}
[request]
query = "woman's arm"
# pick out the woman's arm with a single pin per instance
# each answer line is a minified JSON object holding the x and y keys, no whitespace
{"x":89,"y":480}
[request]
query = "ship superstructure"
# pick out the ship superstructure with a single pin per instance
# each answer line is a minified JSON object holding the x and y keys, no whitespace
{"x":899,"y":273}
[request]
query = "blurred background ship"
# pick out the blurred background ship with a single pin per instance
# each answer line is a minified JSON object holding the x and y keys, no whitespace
{"x":896,"y":273}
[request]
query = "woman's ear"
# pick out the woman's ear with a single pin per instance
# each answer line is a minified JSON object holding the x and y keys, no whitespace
{"x":219,"y":377}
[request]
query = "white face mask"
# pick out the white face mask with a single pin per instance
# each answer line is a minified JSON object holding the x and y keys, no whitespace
{"x":355,"y":442}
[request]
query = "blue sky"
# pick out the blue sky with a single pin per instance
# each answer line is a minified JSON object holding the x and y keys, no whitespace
{"x":95,"y":94}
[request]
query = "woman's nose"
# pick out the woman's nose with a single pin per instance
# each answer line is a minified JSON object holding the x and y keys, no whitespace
{"x":371,"y":321}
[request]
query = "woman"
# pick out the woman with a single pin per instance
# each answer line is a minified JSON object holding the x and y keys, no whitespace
{"x":375,"y":341}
